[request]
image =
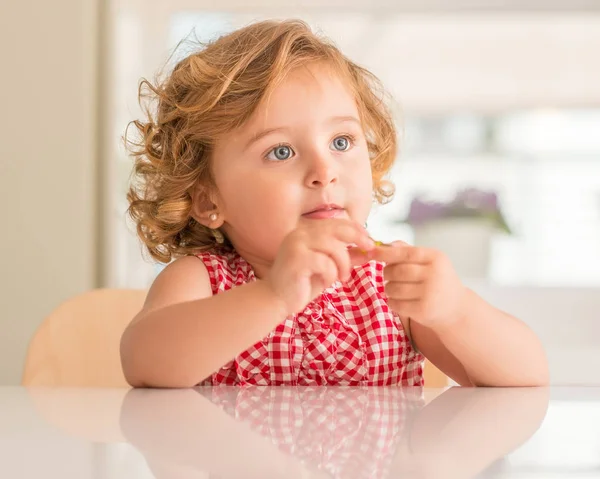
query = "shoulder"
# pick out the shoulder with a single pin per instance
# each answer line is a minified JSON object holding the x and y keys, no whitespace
{"x":185,"y":279}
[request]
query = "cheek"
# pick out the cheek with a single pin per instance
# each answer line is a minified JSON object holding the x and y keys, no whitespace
{"x":360,"y":188}
{"x":266,"y":197}
{"x":260,"y":214}
{"x":361,"y":176}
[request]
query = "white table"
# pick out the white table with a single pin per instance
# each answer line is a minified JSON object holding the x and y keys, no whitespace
{"x":299,"y":433}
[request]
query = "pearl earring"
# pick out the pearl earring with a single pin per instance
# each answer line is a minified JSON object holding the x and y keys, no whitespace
{"x":217,"y":235}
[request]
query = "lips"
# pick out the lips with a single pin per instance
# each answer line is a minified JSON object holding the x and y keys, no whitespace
{"x":325,"y":211}
{"x":326,"y":207}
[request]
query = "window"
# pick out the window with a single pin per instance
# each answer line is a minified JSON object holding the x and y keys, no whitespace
{"x":535,"y":142}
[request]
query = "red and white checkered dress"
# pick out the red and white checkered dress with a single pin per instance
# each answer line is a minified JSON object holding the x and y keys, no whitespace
{"x":346,"y":336}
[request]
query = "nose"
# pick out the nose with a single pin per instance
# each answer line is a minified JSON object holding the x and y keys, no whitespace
{"x":322,"y":171}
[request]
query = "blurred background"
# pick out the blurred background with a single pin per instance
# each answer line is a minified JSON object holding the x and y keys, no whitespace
{"x":497,"y":105}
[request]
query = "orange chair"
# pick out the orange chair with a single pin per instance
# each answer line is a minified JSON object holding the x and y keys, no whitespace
{"x":78,"y":344}
{"x":434,"y":378}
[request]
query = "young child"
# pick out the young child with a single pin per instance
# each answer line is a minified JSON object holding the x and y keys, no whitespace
{"x":257,"y":171}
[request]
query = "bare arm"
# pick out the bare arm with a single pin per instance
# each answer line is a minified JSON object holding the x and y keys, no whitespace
{"x":493,"y":348}
{"x":464,"y":336}
{"x":428,"y":343}
{"x":184,"y":333}
{"x":486,"y":347}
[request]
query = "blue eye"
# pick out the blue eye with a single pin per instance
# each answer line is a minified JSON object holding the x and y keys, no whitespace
{"x":280,"y":153}
{"x":340,"y":143}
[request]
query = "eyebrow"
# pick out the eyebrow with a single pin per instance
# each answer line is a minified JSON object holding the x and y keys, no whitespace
{"x":330,"y":121}
{"x":344,"y":119}
{"x":261,"y":134}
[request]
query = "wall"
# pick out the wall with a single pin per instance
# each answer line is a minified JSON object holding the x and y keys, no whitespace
{"x":47,"y":165}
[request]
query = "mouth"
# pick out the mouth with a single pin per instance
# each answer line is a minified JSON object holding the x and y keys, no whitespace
{"x":325,"y":211}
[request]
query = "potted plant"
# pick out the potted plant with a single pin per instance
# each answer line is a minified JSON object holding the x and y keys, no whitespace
{"x":463,"y":228}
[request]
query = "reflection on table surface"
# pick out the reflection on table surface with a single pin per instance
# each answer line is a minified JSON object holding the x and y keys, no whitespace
{"x":315,"y":431}
{"x":331,"y":432}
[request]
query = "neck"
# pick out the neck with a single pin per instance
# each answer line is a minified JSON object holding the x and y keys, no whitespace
{"x":260,"y":266}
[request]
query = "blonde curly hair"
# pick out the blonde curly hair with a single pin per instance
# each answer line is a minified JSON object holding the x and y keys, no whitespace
{"x":215,"y":90}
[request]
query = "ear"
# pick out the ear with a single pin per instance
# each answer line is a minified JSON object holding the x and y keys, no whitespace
{"x":205,"y":209}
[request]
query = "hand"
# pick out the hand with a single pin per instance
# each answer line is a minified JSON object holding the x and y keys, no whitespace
{"x":421,"y":284}
{"x":313,"y":257}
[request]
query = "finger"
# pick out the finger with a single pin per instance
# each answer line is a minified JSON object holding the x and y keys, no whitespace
{"x":405,"y":272}
{"x":402,"y":254}
{"x":358,"y":256}
{"x":338,"y":252}
{"x":351,"y":232}
{"x":324,"y":271}
{"x":341,"y":258}
{"x":410,"y":308}
{"x":403,"y":291}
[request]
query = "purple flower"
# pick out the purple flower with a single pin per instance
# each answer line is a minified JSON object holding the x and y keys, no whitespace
{"x":468,"y":203}
{"x":476,"y":200}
